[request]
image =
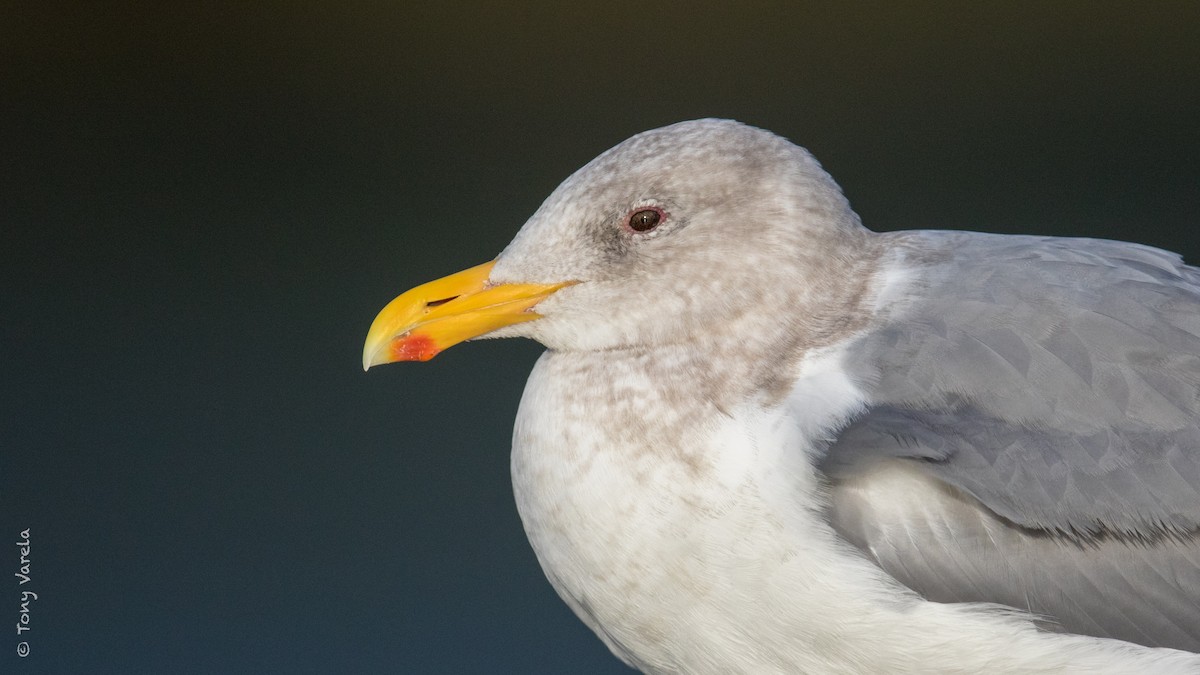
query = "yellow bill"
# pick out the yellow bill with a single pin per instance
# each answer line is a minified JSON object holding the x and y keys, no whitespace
{"x":434,"y":316}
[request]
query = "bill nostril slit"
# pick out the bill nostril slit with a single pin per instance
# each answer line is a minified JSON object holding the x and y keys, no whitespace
{"x":436,"y":303}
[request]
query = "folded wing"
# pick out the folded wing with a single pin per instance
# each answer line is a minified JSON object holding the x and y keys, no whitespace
{"x":1033,"y":433}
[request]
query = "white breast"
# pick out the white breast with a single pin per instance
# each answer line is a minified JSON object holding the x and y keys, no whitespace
{"x":672,"y":557}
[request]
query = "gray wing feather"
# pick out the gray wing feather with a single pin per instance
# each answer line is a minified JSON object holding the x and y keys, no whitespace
{"x":1051,"y":387}
{"x":950,"y":548}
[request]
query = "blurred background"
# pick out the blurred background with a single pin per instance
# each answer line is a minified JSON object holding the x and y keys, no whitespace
{"x":202,"y":208}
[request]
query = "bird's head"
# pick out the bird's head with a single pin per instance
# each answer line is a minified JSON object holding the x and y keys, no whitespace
{"x":659,"y":239}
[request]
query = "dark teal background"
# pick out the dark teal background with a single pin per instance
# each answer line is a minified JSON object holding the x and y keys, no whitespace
{"x":202,"y":208}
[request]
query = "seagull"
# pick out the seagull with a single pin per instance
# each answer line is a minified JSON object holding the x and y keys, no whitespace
{"x":765,"y":439}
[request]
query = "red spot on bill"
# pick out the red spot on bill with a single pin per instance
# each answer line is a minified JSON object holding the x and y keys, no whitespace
{"x":414,"y":347}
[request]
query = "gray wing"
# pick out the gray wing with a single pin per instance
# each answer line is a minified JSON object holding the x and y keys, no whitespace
{"x":1032,"y":434}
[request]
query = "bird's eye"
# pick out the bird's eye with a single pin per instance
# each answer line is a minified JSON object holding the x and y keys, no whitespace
{"x":644,"y":220}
